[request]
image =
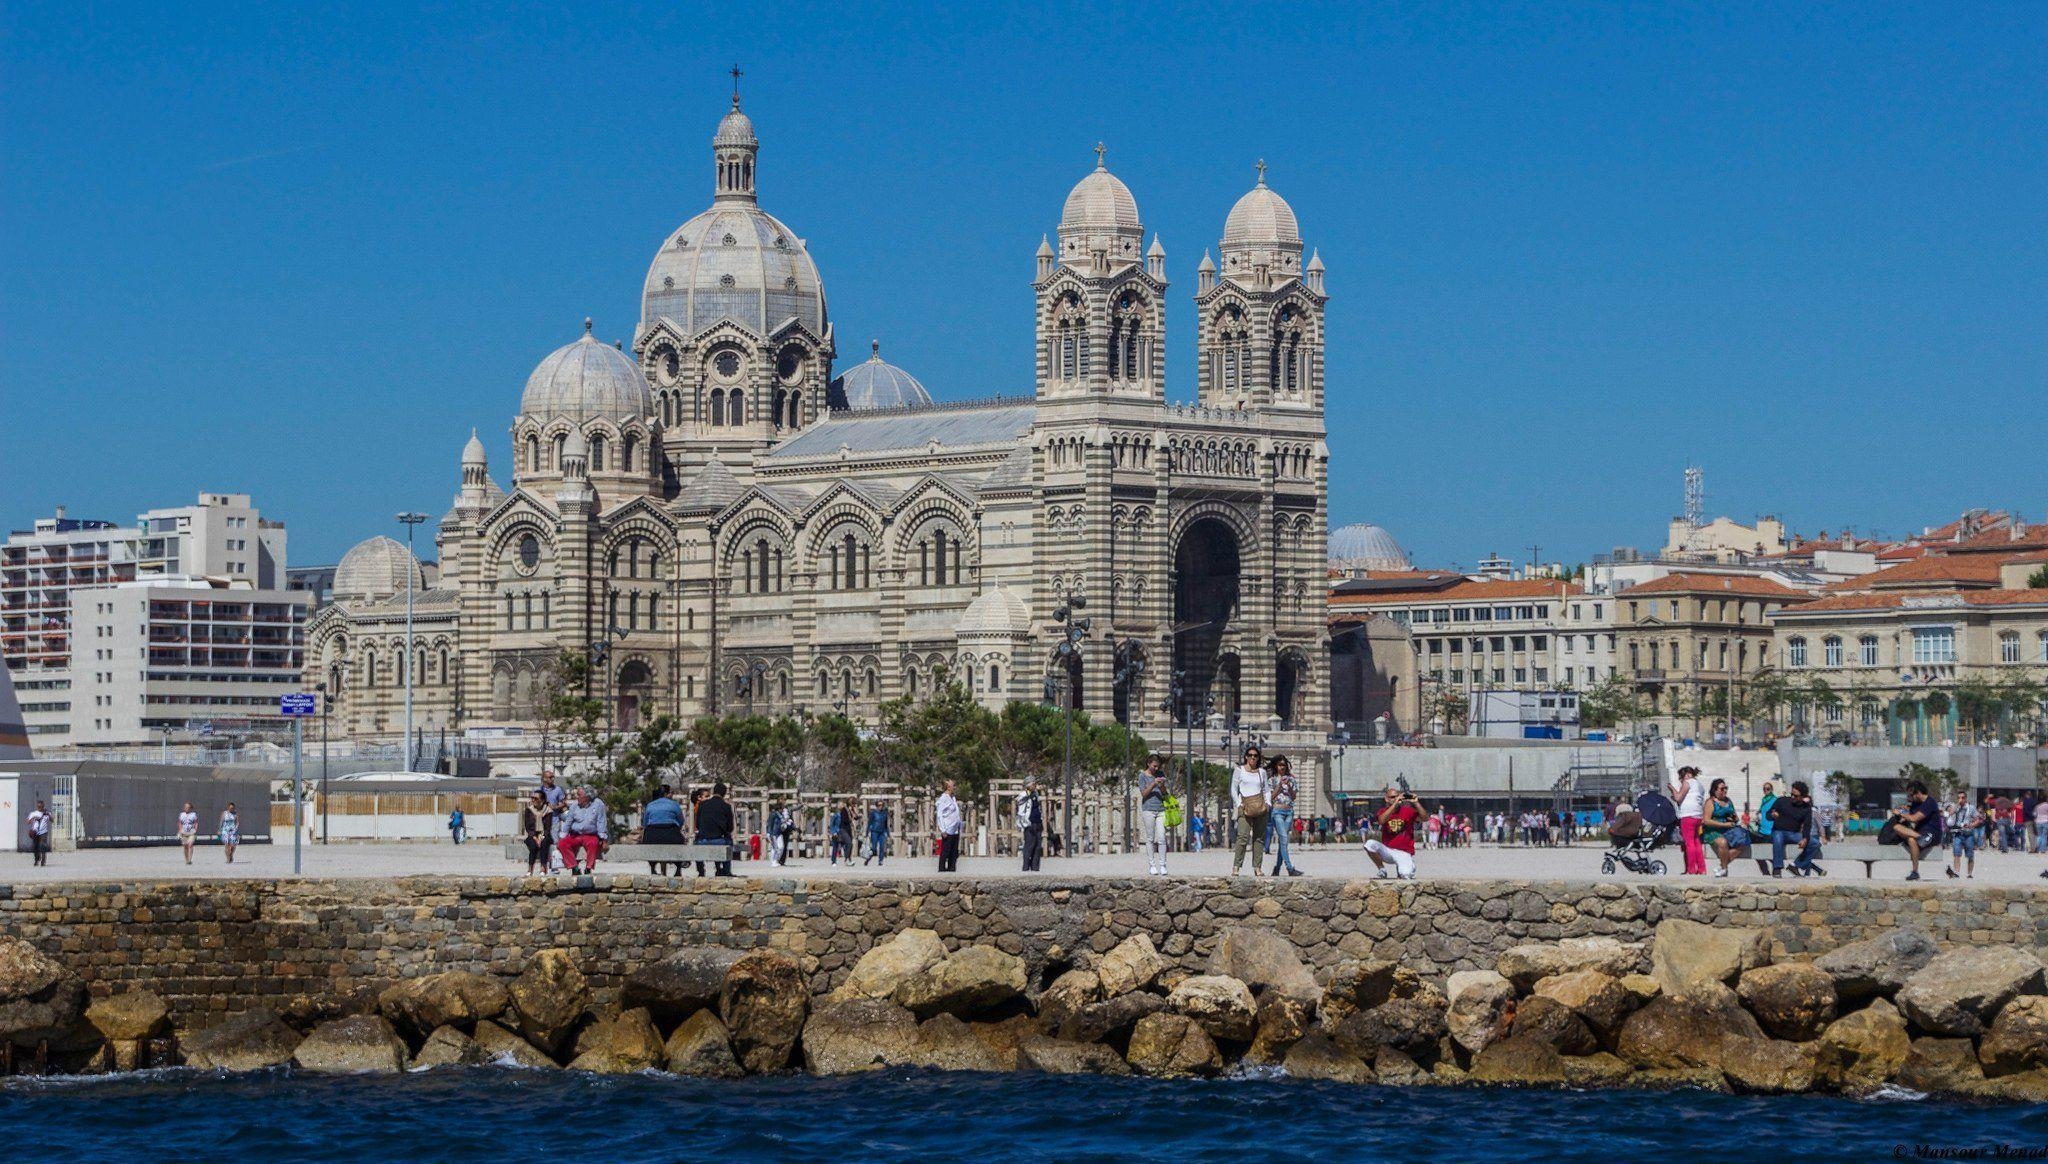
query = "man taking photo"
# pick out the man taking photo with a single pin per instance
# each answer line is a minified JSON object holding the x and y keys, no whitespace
{"x":1396,"y":842}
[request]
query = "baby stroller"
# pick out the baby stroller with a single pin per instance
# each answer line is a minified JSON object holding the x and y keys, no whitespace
{"x":1637,"y":833}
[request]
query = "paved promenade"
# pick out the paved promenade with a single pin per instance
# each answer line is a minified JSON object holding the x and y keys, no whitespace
{"x":486,"y":858}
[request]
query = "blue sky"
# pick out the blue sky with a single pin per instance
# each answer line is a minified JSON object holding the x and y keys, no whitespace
{"x":301,"y":250}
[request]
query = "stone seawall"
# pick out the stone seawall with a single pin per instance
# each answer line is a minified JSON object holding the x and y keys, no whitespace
{"x":223,"y":946}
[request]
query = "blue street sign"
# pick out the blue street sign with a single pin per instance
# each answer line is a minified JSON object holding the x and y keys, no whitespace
{"x":299,"y":703}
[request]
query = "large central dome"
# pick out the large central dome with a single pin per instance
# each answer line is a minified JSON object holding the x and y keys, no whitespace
{"x":734,"y":261}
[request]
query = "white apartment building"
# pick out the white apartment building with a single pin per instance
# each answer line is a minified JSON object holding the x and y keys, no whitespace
{"x":1586,"y":641}
{"x":219,"y":540}
{"x":183,"y":658}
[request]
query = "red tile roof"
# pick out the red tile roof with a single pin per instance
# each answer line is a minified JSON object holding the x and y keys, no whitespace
{"x":1464,"y":591}
{"x":1894,"y":600}
{"x":1745,"y":584}
{"x":1934,"y":571}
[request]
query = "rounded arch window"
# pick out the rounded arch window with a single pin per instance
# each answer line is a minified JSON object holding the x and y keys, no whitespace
{"x":529,"y":553}
{"x":789,"y":365}
{"x":726,"y":365}
{"x":668,"y":366}
{"x":729,"y":240}
{"x":728,"y":281}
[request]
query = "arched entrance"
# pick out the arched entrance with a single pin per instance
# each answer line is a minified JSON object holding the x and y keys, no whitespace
{"x":1205,"y":588}
{"x":636,"y":683}
{"x":1290,"y":678}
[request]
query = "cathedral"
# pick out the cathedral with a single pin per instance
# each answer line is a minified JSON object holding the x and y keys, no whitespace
{"x":734,"y":521}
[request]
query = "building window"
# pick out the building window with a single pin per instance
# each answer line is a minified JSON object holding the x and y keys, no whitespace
{"x":1866,"y":649}
{"x":1831,"y":651}
{"x":1934,"y":644}
{"x":995,"y":678}
{"x":2009,"y":647}
{"x":1795,"y":653}
{"x":2042,"y":653}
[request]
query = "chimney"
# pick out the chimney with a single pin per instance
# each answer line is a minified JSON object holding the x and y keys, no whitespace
{"x":60,"y":513}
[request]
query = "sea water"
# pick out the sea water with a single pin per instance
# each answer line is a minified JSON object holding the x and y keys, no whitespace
{"x":504,"y":1116}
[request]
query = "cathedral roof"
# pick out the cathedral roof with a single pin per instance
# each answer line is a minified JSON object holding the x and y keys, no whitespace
{"x":1261,"y":219}
{"x":876,"y":383}
{"x":979,"y":424}
{"x":1013,"y":473}
{"x":585,"y":380}
{"x":714,"y":487}
{"x":1100,"y":202}
{"x":377,"y":568}
{"x":1364,"y":546}
{"x":995,"y":612}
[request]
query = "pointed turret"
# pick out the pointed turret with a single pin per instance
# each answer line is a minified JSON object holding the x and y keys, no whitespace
{"x":1155,"y":259}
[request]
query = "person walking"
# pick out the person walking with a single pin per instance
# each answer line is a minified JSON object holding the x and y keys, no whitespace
{"x":533,"y":829}
{"x":840,"y":829}
{"x":713,"y":822}
{"x":1031,"y":824}
{"x":230,"y":831}
{"x":455,"y":823}
{"x":1152,"y":814}
{"x":1396,"y":843}
{"x":1248,"y":798}
{"x":188,"y":830}
{"x":780,"y":827}
{"x":661,"y":823}
{"x":950,"y":821}
{"x":1963,"y":824}
{"x":586,"y":832}
{"x":1280,"y":793}
{"x":878,"y":834}
{"x":1198,"y":831}
{"x":39,"y":834}
{"x":1691,"y":798}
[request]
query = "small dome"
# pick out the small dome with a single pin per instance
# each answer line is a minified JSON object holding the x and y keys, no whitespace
{"x":585,"y":380}
{"x":735,"y":128}
{"x":1262,"y":219}
{"x":473,"y":452}
{"x":734,"y":261}
{"x":377,"y":568}
{"x":1100,"y":204}
{"x":1363,"y":546}
{"x":876,"y":383}
{"x":995,"y":612}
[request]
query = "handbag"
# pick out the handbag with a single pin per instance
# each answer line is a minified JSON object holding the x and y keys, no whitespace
{"x":1173,"y":815}
{"x":1889,"y":834}
{"x":1253,"y":805}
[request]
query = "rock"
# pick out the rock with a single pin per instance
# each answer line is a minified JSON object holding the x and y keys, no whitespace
{"x":1777,"y":1067}
{"x":763,"y":1005}
{"x":1223,"y":1006}
{"x":1106,"y":1021}
{"x":1521,"y":1060}
{"x":1642,"y":986}
{"x":1683,"y":1033}
{"x":1357,"y":985}
{"x":1957,"y":993}
{"x":448,"y":1047}
{"x":972,"y":981}
{"x":1596,"y":997}
{"x":1061,"y":1057}
{"x":1283,"y":1020}
{"x":2025,"y":1087}
{"x":1003,"y":1037}
{"x":861,"y":1034}
{"x":1869,"y":1046}
{"x":1679,"y":1078}
{"x":1066,"y":996}
{"x":1478,"y":1001}
{"x":1941,"y":1065}
{"x":1172,"y":1046}
{"x":1793,"y":1000}
{"x":39,"y":999}
{"x":1876,"y":966}
{"x":1132,"y":965}
{"x":1316,"y":1057}
{"x":363,"y":1044}
{"x":1261,"y":959}
{"x":1685,"y":954}
{"x":1552,"y":1023}
{"x":458,"y":998}
{"x":129,"y":1016}
{"x":884,"y":969}
{"x":2018,"y":1038}
{"x":626,"y":1044}
{"x":502,"y":1047}
{"x":700,"y":1047}
{"x":944,"y":1043}
{"x":1525,"y":966}
{"x":250,"y":1041}
{"x":548,"y":998}
{"x":679,"y":985}
{"x":1599,"y":1069}
{"x":1405,"y":1024}
{"x":1393,"y":1066}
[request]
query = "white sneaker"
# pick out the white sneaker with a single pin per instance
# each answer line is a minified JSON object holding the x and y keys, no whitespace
{"x":1383,"y":875}
{"x":1720,"y":872}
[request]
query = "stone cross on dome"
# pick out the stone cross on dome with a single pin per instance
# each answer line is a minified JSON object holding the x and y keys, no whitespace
{"x":736,"y":74}
{"x":1100,"y":150}
{"x":1262,"y":171}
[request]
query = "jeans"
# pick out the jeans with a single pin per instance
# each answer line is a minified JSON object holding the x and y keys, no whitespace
{"x":1152,"y":838}
{"x":718,"y":868}
{"x":1251,"y":835}
{"x":1779,"y":839}
{"x":1034,"y":848}
{"x":949,"y":853}
{"x":1282,"y":827}
{"x":842,"y":845}
{"x":39,"y":847}
{"x":878,"y":844}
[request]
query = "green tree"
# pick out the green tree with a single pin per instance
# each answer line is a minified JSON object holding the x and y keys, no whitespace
{"x":1767,"y":693}
{"x":626,"y":767}
{"x":1448,"y":706}
{"x":755,"y":750}
{"x":1944,"y":783}
{"x":1980,"y":705}
{"x":566,"y":710}
{"x":946,"y":736}
{"x":2038,"y":580}
{"x":1611,"y":703}
{"x":1845,"y":787}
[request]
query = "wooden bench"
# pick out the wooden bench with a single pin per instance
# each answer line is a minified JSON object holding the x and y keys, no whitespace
{"x":1870,"y":855}
{"x":686,"y":855}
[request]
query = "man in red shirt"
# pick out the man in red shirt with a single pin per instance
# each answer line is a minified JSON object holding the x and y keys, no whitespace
{"x":1396,"y":842}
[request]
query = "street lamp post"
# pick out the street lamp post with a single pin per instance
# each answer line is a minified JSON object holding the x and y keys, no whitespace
{"x":322,"y":689}
{"x":1067,"y":654}
{"x":411,"y":520}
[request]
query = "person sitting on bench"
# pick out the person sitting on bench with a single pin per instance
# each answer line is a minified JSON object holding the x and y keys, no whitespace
{"x":1918,"y":827}
{"x":585,"y":832}
{"x":1791,"y":817}
{"x":661,"y":823}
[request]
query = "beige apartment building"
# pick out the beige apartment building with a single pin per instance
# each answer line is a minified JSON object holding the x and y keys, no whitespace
{"x":1685,"y":634}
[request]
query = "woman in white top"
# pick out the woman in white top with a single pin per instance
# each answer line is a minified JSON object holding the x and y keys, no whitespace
{"x":1248,"y":800}
{"x":1690,"y":795}
{"x":188,"y":829}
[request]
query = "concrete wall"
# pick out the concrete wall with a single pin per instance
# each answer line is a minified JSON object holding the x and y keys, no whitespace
{"x":2000,"y":768}
{"x":1483,"y":770}
{"x":224,"y":946}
